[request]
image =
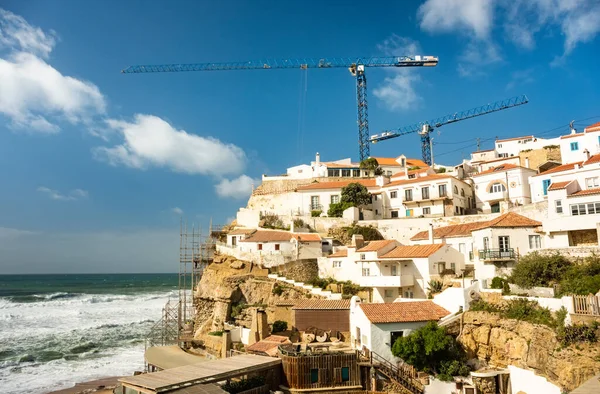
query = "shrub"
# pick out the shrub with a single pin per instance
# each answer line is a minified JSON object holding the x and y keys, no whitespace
{"x":238,"y":386}
{"x":315,"y":213}
{"x":497,"y":283}
{"x":356,"y":194}
{"x":435,"y":286}
{"x":350,"y":289}
{"x":273,"y":221}
{"x":277,"y":289}
{"x":537,"y":270}
{"x":279,"y":326}
{"x":236,"y":309}
{"x":320,"y":282}
{"x":441,"y":170}
{"x":300,"y":223}
{"x":522,"y":309}
{"x":578,"y":333}
{"x":216,"y":333}
{"x":582,"y":278}
{"x":369,"y":233}
{"x":337,"y":210}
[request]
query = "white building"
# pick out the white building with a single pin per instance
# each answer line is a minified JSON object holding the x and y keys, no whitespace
{"x":270,"y":248}
{"x":577,"y":146}
{"x":491,"y":247}
{"x":377,"y":326}
{"x":573,"y":205}
{"x":392,"y":270}
{"x":504,"y":183}
{"x":318,"y":196}
{"x":513,"y":146}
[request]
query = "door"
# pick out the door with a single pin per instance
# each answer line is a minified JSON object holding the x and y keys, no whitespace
{"x":394,"y":270}
{"x":495,"y":207}
{"x":545,"y":185}
{"x":409,"y":212}
{"x":233,"y":240}
{"x":504,"y":243}
{"x":486,"y":243}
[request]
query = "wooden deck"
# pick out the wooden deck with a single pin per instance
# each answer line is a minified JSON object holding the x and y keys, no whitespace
{"x":206,"y":372}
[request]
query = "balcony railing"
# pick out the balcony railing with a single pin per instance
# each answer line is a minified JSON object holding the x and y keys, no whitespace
{"x":497,"y":254}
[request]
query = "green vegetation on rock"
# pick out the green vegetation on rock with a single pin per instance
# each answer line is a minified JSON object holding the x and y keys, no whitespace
{"x":279,"y":326}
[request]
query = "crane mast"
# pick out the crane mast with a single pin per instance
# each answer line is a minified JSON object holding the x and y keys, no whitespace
{"x":424,"y":129}
{"x":356,"y":66}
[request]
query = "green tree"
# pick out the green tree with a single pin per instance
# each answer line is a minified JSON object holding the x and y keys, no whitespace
{"x":431,"y":349}
{"x":356,"y":194}
{"x":336,"y":210}
{"x":372,"y":166}
{"x":534,"y":269}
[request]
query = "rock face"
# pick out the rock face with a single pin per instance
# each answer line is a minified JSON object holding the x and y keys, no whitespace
{"x":503,"y":342}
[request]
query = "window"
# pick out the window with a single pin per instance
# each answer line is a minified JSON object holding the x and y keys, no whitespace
{"x":499,"y":145}
{"x":408,"y":294}
{"x":425,"y":193}
{"x":377,"y":212}
{"x":545,"y":186}
{"x":314,"y":202}
{"x":362,"y":256}
{"x":276,"y":246}
{"x":455,"y":189}
{"x":356,"y":173}
{"x":426,"y":211}
{"x":412,"y":176}
{"x":373,"y":197}
{"x":497,"y":188}
{"x":558,"y":204}
{"x":394,"y":270}
{"x":233,"y":241}
{"x":345,"y":172}
{"x":495,"y":207}
{"x":259,"y":246}
{"x":504,"y":243}
{"x":337,"y":264}
{"x":394,"y":214}
{"x":335,"y":198}
{"x":394,"y":335}
{"x":365,"y":173}
{"x":366,"y":272}
{"x":403,"y":162}
{"x":453,"y":267}
{"x":442,"y":190}
{"x":574,"y":146}
{"x":393,"y":194}
{"x":408,"y":195}
{"x":462,"y":192}
{"x":314,"y":375}
{"x":345,"y":374}
{"x":331,"y":172}
{"x":486,"y":243}
{"x":585,"y":209}
{"x":591,"y":183}
{"x":441,"y":267}
{"x":388,"y":293}
{"x":535,"y":242}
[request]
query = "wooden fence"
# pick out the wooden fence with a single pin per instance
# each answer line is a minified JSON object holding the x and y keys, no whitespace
{"x":587,"y":305}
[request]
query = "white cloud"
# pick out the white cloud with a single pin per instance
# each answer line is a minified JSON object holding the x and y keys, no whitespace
{"x":12,"y":233}
{"x":239,"y":188}
{"x":73,"y":195}
{"x":149,"y":141}
{"x":177,"y":211}
{"x":520,"y":77}
{"x":34,"y":95}
{"x":398,"y":92}
{"x":450,"y":15}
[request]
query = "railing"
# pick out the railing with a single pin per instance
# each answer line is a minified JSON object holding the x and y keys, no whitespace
{"x":497,"y":254}
{"x":404,"y":375}
{"x":586,"y":305}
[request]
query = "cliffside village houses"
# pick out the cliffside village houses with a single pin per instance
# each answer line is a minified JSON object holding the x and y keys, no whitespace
{"x":475,"y":218}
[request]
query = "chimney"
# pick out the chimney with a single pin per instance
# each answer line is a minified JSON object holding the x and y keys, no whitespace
{"x":406,"y":172}
{"x":430,"y":233}
{"x":382,"y":180}
{"x":317,"y":160}
{"x":587,"y":154}
{"x":358,"y":241}
{"x":527,"y":162}
{"x":576,"y":166}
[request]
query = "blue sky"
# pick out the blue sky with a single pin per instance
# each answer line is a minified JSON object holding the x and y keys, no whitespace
{"x":98,"y":166}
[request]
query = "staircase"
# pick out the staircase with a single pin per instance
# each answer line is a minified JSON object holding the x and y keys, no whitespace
{"x":405,"y":377}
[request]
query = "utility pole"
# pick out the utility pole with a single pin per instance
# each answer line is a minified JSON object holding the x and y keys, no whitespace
{"x":431,"y":151}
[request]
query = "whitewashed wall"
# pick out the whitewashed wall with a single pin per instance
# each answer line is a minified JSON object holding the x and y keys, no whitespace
{"x":526,"y":381}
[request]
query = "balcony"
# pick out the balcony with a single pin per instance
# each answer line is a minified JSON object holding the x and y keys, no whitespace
{"x":386,"y":281}
{"x":497,"y":255}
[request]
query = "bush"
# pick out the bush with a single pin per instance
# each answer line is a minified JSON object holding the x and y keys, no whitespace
{"x":582,"y":278}
{"x":431,"y":349}
{"x":320,"y":282}
{"x":315,"y":213}
{"x":238,"y":386}
{"x":579,"y":333}
{"x":216,"y":333}
{"x":356,"y":194}
{"x":350,"y":289}
{"x":273,"y":221}
{"x":441,"y":170}
{"x":277,"y":289}
{"x":279,"y":326}
{"x":522,"y":309}
{"x":369,"y":233}
{"x":497,"y":283}
{"x":299,"y":223}
{"x":435,"y":286}
{"x":337,"y":210}
{"x":537,"y":270}
{"x":236,"y":309}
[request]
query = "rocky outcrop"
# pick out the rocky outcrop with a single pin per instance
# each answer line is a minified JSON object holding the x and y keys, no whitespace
{"x":502,"y":342}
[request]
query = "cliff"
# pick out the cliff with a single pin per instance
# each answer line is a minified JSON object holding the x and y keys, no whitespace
{"x":502,"y":342}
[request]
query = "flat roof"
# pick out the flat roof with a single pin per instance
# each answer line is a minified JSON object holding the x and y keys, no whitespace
{"x":206,"y":372}
{"x":166,"y":357}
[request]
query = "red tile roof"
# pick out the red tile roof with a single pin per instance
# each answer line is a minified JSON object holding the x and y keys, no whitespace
{"x":427,"y":178}
{"x":516,"y":138}
{"x":592,"y":128}
{"x":561,"y":168}
{"x":321,"y":304}
{"x":416,"y":163}
{"x":571,"y":136}
{"x":280,"y":236}
{"x":374,"y":246}
{"x":592,"y":160}
{"x":501,"y":168}
{"x":242,"y":231}
{"x":511,"y":219}
{"x":559,"y":185}
{"x":403,"y":312}
{"x":268,"y":345}
{"x":586,"y":192}
{"x":336,"y":184}
{"x":307,"y":237}
{"x":412,"y":251}
{"x":339,"y":253}
{"x":392,"y":162}
{"x":457,"y":230}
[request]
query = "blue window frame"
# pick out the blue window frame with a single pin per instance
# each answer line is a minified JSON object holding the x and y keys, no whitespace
{"x":545,"y":185}
{"x":574,"y":146}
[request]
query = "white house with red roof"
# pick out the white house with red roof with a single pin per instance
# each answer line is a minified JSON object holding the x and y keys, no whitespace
{"x":576,"y":146}
{"x":377,"y":326}
{"x":390,"y":269}
{"x":506,"y":183}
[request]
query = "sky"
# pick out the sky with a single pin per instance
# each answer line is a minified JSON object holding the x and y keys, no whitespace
{"x":98,"y":168}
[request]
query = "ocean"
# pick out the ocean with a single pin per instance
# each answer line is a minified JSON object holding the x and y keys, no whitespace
{"x":57,"y":330}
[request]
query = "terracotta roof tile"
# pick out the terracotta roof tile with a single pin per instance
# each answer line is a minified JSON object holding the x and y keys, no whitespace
{"x":242,"y":231}
{"x":499,"y":169}
{"x":403,"y":312}
{"x":516,"y":138}
{"x":511,"y":219}
{"x":268,"y":345}
{"x":321,"y":304}
{"x":561,"y":168}
{"x":339,"y":253}
{"x":427,"y":178}
{"x":336,"y":184}
{"x":571,"y":136}
{"x":374,"y":246}
{"x":416,"y":163}
{"x":387,"y":161}
{"x":412,"y":251}
{"x":456,"y":230}
{"x":586,"y":192}
{"x":592,"y":128}
{"x":307,"y":237}
{"x":268,"y":236}
{"x":559,"y":185}
{"x":592,"y":160}
{"x":338,"y":165}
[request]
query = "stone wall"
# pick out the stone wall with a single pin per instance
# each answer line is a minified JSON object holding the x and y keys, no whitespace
{"x":299,"y":270}
{"x":502,"y":342}
{"x":573,"y":253}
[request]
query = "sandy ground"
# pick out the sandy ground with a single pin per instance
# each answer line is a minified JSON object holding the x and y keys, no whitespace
{"x":101,"y":386}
